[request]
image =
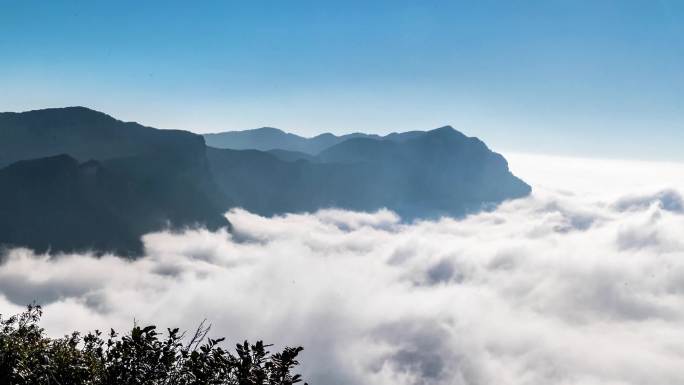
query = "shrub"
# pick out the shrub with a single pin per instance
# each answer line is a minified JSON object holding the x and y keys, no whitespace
{"x":144,"y":356}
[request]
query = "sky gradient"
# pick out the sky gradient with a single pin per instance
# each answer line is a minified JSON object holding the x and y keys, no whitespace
{"x":589,"y":78}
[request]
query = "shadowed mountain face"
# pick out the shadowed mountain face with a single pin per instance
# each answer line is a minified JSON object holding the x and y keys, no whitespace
{"x":85,"y":134}
{"x":268,"y":138}
{"x":58,"y":204}
{"x":439,"y":172}
{"x":134,"y":180}
{"x":76,"y":179}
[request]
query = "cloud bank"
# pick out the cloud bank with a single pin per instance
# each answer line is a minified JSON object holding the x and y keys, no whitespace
{"x":582,"y":283}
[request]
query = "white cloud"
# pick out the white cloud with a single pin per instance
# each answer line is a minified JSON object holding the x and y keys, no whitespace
{"x":582,"y":283}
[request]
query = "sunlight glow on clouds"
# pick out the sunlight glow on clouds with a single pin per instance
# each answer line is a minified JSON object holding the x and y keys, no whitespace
{"x":582,"y":283}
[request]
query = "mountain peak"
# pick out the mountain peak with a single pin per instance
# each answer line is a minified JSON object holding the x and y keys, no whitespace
{"x":58,"y":115}
{"x":268,"y":129}
{"x":446,"y":128}
{"x":69,"y":110}
{"x":446,"y":131}
{"x":325,"y":135}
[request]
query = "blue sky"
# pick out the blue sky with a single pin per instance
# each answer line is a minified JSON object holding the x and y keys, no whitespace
{"x":591,"y":78}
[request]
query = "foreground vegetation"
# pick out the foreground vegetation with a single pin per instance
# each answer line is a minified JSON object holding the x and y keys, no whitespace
{"x":142,"y":357}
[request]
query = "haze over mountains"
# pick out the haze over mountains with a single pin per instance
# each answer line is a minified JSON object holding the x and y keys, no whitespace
{"x":269,"y":138}
{"x":441,"y":172}
{"x":75,"y":179}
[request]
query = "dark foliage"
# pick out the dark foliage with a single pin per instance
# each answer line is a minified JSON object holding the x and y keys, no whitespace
{"x":142,"y":357}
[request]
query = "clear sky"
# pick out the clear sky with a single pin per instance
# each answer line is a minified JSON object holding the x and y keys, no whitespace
{"x":591,"y":78}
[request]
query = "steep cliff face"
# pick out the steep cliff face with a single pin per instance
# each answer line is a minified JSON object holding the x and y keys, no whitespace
{"x":61,"y":205}
{"x":94,"y":182}
{"x":439,"y":172}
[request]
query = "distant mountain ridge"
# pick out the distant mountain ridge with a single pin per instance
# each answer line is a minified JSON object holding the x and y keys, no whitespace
{"x":269,"y":138}
{"x":439,"y":172}
{"x":75,"y":179}
{"x":274,"y":139}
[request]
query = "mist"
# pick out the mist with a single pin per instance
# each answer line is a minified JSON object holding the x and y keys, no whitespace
{"x":582,"y":282}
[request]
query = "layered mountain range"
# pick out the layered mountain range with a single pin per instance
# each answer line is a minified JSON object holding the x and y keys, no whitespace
{"x":73,"y":179}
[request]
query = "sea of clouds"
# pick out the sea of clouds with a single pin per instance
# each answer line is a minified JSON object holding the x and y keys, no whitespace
{"x":581,"y":283}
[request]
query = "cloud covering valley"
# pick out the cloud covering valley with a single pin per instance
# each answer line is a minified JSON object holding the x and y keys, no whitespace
{"x":581,"y":283}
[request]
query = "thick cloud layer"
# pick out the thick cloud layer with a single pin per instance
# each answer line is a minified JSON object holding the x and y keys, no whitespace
{"x":582,"y":283}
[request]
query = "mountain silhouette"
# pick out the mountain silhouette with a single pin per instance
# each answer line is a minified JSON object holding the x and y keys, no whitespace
{"x":59,"y":204}
{"x":269,"y":138}
{"x":75,"y":179}
{"x":86,"y":134}
{"x":99,"y":183}
{"x":289,"y":146}
{"x":292,"y":156}
{"x":426,"y":174}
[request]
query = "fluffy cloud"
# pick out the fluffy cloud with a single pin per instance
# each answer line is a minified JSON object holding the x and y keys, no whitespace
{"x":582,"y":283}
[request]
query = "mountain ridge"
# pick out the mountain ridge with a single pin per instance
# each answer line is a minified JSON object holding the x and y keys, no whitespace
{"x":440,"y":172}
{"x":160,"y":177}
{"x":271,"y":138}
{"x":85,"y":134}
{"x":72,"y":169}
